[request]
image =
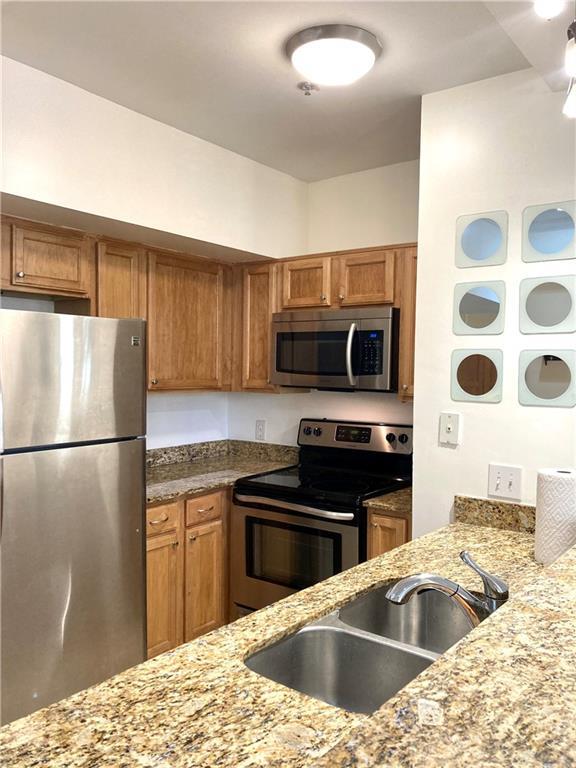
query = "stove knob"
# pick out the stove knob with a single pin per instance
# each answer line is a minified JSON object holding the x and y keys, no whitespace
{"x":317,"y":431}
{"x":403,"y":438}
{"x":391,"y":438}
{"x":307,"y":430}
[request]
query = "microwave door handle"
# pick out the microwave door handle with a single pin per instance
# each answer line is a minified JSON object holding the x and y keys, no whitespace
{"x":349,"y":342}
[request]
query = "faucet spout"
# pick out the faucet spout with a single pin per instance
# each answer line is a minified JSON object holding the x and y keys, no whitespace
{"x":476,"y":608}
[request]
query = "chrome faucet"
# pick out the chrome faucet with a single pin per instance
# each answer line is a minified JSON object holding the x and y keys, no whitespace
{"x":476,"y":608}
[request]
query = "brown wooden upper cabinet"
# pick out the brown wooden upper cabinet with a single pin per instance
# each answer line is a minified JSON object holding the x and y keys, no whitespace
{"x":259,"y":302}
{"x":51,"y":261}
{"x":121,"y":280}
{"x":306,"y":283}
{"x":185,"y":311}
{"x":364,"y":278}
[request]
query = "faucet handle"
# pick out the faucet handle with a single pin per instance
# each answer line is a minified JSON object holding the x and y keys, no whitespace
{"x":494,"y":587}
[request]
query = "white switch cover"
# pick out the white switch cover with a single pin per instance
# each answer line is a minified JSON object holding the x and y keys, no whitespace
{"x":449,"y":428}
{"x":260,"y":429}
{"x":504,"y":481}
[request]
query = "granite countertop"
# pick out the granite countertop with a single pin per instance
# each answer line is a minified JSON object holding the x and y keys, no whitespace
{"x":503,"y":694}
{"x":397,"y":503}
{"x":168,"y":481}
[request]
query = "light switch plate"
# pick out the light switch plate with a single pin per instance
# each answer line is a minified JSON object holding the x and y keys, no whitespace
{"x":449,"y":429}
{"x":505,"y":481}
{"x":260,"y":431}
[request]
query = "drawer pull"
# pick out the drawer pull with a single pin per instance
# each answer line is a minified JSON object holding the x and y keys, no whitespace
{"x":202,"y":510}
{"x":158,"y":522}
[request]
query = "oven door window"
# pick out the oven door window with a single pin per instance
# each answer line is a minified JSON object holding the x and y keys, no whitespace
{"x":315,"y":353}
{"x":291,"y":555}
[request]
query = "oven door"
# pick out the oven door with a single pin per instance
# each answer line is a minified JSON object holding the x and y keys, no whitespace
{"x":317,"y":353}
{"x":277,"y":552}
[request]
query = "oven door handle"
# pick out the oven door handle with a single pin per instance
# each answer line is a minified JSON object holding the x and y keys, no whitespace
{"x":295,"y":507}
{"x":349,"y":342}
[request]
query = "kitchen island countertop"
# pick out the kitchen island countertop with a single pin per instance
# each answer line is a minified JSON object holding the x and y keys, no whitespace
{"x":500,"y":697}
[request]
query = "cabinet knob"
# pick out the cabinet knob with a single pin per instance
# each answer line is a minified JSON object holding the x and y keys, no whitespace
{"x":322,"y":297}
{"x":153,"y":382}
{"x":174,"y":544}
{"x":192,"y":538}
{"x":404,"y":387}
{"x":20,"y":274}
{"x":341,"y":296}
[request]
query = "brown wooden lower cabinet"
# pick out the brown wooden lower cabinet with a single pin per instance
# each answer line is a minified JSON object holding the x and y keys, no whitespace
{"x":385,"y":533}
{"x":164,"y":592}
{"x":186,"y":570}
{"x":203,"y":579}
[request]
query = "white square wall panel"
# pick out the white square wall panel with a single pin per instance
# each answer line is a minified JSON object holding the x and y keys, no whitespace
{"x":548,"y":232}
{"x":547,"y":377}
{"x":479,"y":308}
{"x":481,"y":239}
{"x":476,"y":375}
{"x":548,"y":304}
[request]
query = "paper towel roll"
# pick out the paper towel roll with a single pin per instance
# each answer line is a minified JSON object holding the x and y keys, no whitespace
{"x":555,"y":514}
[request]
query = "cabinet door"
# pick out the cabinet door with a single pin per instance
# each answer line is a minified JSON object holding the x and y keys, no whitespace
{"x":385,"y":533}
{"x":306,"y":283}
{"x":204,"y":587}
{"x":185,"y":323}
{"x":365,"y":278}
{"x":407,"y":261}
{"x":259,"y":300}
{"x":121,"y":280}
{"x":164,"y":583}
{"x":49,"y":260}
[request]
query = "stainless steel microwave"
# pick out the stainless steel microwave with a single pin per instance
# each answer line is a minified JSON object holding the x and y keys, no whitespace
{"x":344,"y":349}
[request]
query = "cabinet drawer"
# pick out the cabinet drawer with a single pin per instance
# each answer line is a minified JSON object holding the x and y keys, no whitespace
{"x":162,"y":519}
{"x":204,"y":508}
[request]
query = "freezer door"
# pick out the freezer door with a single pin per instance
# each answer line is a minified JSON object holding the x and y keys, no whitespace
{"x":72,"y":563}
{"x":68,"y":379}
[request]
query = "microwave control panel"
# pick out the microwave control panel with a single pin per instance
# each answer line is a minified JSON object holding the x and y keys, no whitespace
{"x":371,"y":346}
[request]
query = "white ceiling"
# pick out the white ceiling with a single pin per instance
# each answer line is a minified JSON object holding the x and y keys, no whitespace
{"x":217,"y":70}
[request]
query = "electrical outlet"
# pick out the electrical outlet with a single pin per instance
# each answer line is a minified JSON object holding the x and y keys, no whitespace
{"x":505,"y":481}
{"x":260,"y":429}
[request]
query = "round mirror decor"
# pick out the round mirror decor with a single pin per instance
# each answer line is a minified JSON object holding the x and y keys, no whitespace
{"x":547,"y":378}
{"x":481,"y":239}
{"x":548,"y":304}
{"x":477,"y":375}
{"x":479,"y":308}
{"x":549,"y":232}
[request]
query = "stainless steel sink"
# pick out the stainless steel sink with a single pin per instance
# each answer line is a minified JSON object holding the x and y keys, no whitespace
{"x":340,"y":665}
{"x":430,"y":620}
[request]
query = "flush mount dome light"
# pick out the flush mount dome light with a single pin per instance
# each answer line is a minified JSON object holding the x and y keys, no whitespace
{"x":333,"y":54}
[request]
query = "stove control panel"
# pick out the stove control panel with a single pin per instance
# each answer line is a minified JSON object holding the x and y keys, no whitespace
{"x":366,"y":436}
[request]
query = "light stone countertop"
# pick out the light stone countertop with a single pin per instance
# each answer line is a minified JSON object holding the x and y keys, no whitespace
{"x":506,"y":693}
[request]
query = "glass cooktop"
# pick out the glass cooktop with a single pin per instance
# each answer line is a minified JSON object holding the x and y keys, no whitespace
{"x":320,"y":483}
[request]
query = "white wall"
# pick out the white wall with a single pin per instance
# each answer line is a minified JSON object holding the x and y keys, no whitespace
{"x":499,"y":144}
{"x":189,"y":417}
{"x":67,"y":147}
{"x":358,"y":210}
{"x":283,"y":412}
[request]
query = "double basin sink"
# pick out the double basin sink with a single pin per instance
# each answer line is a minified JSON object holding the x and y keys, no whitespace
{"x":358,"y":657}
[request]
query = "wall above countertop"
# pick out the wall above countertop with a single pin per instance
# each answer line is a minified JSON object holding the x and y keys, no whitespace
{"x":195,"y":417}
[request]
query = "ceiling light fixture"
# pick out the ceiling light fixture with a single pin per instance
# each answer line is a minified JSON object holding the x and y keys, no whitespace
{"x":549,"y":9}
{"x":333,"y":54}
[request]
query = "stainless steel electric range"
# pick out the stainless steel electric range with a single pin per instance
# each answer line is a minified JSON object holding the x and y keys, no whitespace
{"x":294,"y":527}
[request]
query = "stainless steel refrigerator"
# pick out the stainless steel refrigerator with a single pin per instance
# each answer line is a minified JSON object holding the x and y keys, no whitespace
{"x":72,"y":403}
